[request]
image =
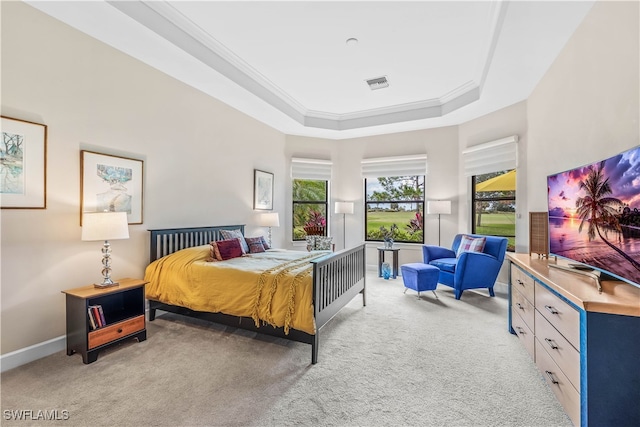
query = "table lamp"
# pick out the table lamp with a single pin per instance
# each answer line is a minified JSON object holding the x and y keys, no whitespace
{"x":269,"y":219}
{"x":105,"y":226}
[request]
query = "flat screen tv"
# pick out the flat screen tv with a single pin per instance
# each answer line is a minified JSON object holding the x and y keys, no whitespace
{"x":594,"y":216}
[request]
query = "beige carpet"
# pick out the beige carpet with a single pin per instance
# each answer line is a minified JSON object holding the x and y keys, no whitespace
{"x":399,"y":361}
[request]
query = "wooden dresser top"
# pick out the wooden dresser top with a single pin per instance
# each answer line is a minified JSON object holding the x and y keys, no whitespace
{"x":617,"y":297}
{"x":91,"y":291}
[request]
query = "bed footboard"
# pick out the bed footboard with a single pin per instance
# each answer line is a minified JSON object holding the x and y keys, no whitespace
{"x":337,"y":278}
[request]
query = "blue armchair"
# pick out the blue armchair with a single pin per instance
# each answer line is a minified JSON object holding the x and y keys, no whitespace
{"x":470,"y":270}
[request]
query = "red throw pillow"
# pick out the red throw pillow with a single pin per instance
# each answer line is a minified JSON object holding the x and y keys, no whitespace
{"x":229,"y":248}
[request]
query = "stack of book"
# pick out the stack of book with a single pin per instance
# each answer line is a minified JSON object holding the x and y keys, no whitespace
{"x":96,"y":317}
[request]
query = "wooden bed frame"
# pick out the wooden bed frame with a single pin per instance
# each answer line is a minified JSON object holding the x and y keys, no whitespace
{"x":337,"y":279}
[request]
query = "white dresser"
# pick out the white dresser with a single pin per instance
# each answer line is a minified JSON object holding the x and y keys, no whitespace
{"x":586,"y":344}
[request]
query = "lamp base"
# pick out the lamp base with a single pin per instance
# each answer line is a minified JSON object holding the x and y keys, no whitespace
{"x":107,"y":283}
{"x":101,"y":286}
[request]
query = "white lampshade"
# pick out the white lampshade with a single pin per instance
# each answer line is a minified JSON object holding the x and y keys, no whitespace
{"x":104,"y":226}
{"x":270,"y":219}
{"x":439,"y":207}
{"x":344,"y":207}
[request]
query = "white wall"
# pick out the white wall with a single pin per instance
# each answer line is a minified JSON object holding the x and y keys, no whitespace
{"x":586,"y":107}
{"x":199,"y":156}
{"x":500,"y":124}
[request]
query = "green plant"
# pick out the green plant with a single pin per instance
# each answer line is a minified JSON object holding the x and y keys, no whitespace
{"x":389,"y":234}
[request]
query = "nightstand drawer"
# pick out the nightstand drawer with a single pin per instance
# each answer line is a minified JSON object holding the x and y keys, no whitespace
{"x":523,"y":307}
{"x":561,"y":315}
{"x":113,"y":332}
{"x":523,"y":283}
{"x":525,"y":335}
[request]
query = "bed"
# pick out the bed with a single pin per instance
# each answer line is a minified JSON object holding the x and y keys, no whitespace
{"x":335,"y":278}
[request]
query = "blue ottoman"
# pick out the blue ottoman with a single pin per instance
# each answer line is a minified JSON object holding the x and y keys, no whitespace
{"x":420,"y":277}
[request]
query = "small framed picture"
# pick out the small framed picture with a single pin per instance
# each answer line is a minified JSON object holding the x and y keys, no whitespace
{"x":23,"y":165}
{"x":111,"y":184}
{"x":262,"y":190}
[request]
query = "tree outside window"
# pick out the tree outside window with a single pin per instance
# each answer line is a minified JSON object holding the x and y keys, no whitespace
{"x":494,"y":205}
{"x":310,"y":201}
{"x":394,"y":207}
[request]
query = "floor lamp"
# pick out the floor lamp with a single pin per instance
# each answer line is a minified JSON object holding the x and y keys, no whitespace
{"x":439,"y":207}
{"x":344,"y":208}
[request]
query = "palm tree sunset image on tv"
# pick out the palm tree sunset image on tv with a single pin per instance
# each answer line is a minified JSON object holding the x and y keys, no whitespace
{"x":594,"y":215}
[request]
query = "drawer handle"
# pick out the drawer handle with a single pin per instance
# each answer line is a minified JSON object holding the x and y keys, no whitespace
{"x":551,"y":377}
{"x":119,"y":330}
{"x":520,"y":282}
{"x":520,"y":306}
{"x":551,"y":309}
{"x":551,"y":344}
{"x":519,"y":330}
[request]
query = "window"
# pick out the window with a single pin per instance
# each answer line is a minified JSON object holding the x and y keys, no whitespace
{"x":310,"y":201}
{"x":310,"y":195}
{"x":394,"y":206}
{"x":492,"y":168}
{"x":494,"y":205}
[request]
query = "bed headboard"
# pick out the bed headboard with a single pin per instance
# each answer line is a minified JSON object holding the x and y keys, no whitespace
{"x":169,"y":240}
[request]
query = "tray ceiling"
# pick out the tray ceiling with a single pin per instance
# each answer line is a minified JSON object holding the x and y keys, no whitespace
{"x":289,"y":65}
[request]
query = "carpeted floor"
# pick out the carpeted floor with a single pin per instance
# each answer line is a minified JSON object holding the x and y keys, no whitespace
{"x":399,"y":361}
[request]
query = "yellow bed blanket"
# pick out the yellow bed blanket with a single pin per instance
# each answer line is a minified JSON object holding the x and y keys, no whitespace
{"x":272,"y":287}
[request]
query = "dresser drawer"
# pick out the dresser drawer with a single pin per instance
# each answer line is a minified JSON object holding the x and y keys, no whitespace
{"x":568,"y":397}
{"x":524,"y":333}
{"x":113,"y":332}
{"x":523,"y":307}
{"x":522,"y":282}
{"x":563,"y":354}
{"x":561,"y":315}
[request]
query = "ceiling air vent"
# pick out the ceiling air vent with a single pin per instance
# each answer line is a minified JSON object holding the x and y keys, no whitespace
{"x":378,"y":83}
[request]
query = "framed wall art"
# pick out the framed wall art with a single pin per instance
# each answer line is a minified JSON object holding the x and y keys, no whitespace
{"x":262,"y":190}
{"x":23,"y":165}
{"x":111,"y":183}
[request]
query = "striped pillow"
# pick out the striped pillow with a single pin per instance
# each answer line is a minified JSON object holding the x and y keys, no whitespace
{"x":235,"y":234}
{"x":255,"y":244}
{"x":471,"y":244}
{"x":265,"y":243}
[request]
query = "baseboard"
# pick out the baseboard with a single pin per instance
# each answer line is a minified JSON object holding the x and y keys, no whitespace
{"x":31,"y":353}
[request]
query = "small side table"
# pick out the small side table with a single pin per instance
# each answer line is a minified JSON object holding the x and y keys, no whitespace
{"x":123,"y":308}
{"x":381,"y":252}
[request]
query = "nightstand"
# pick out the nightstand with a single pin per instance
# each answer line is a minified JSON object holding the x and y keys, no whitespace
{"x":122,"y":310}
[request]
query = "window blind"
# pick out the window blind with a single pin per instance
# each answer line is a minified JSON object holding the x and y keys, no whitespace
{"x":493,"y":156}
{"x":316,"y":169}
{"x":394,"y":166}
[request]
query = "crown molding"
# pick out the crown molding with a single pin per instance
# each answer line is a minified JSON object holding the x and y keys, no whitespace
{"x":163,"y":19}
